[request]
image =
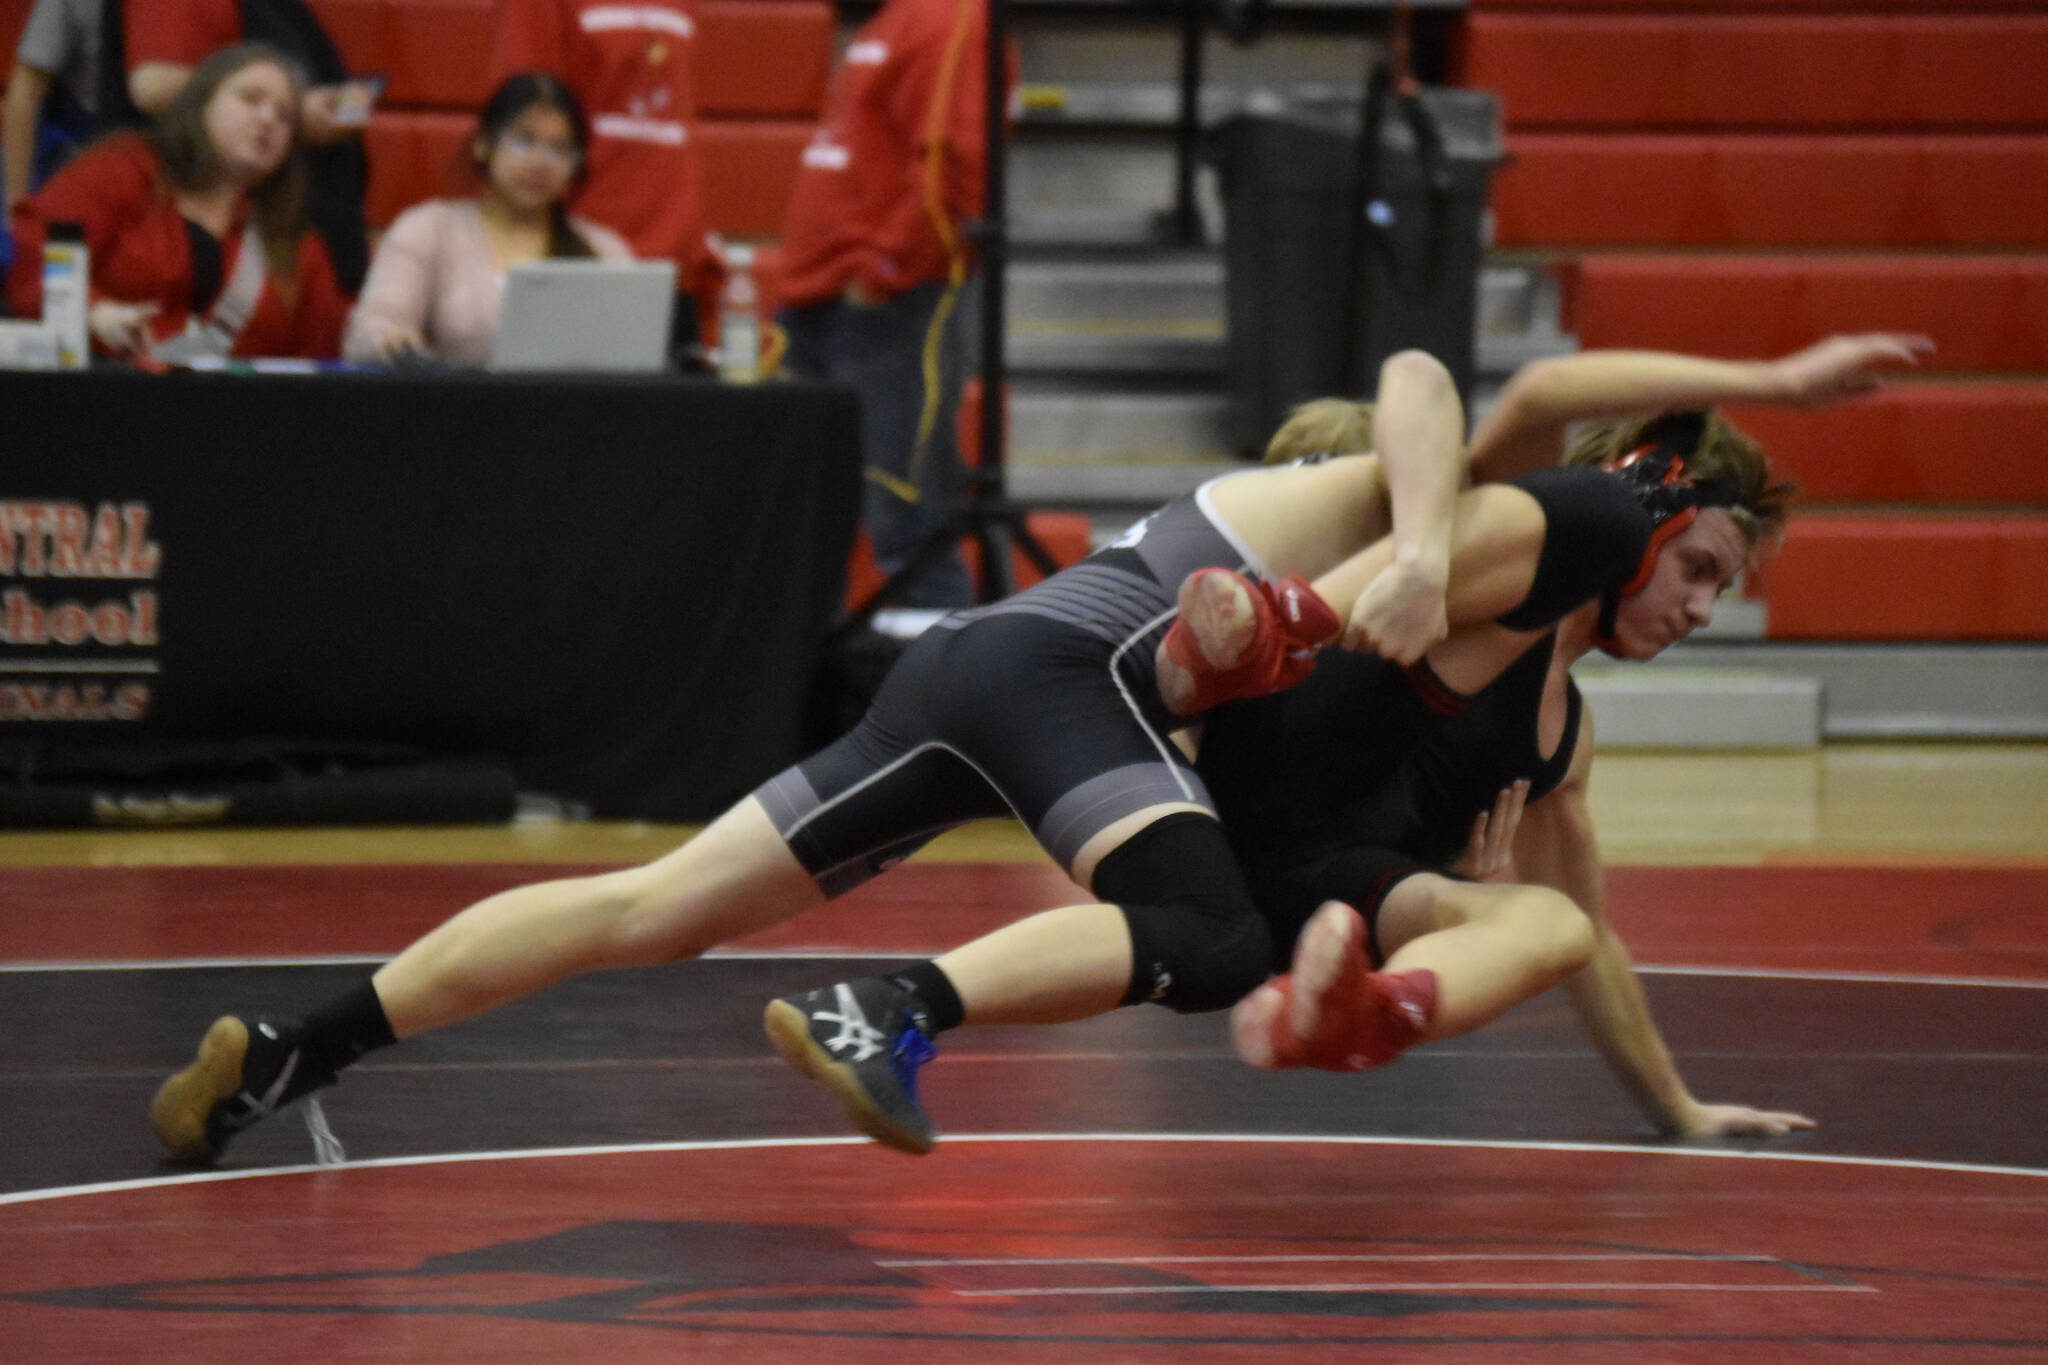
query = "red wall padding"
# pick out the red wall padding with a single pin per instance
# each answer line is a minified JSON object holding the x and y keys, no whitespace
{"x":1647,"y":71}
{"x":1914,"y":442}
{"x":1983,"y":312}
{"x":1872,"y":577}
{"x":1738,"y":189}
{"x":754,"y":57}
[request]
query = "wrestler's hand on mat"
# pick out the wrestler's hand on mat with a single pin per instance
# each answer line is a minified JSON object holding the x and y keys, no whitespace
{"x":1401,"y":612}
{"x":1738,"y":1120}
{"x":1844,"y":365}
{"x":1490,"y":852}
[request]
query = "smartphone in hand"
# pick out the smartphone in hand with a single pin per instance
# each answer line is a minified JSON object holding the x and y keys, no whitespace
{"x":355,"y":98}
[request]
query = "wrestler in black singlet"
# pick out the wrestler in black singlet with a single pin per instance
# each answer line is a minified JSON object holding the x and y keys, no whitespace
{"x":1340,"y":787}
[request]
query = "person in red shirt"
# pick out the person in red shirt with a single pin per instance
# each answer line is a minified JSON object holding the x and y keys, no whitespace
{"x":875,"y":254}
{"x":159,"y":42}
{"x":197,"y":228}
{"x":634,"y":68}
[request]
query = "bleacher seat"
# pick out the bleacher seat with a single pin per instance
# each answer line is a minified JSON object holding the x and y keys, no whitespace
{"x":759,"y":58}
{"x":1772,"y":190}
{"x":431,"y":53}
{"x":415,"y":154}
{"x":1942,"y":444}
{"x":750,"y":167}
{"x":1742,"y":177}
{"x":1910,"y":576}
{"x":1644,"y":71}
{"x":1985,"y":312}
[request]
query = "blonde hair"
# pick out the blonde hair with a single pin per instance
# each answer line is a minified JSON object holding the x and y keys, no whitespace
{"x":1322,"y":426}
{"x":1725,"y":454}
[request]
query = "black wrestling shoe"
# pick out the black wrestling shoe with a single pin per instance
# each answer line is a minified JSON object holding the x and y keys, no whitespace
{"x":864,"y":1041}
{"x":243,"y":1072}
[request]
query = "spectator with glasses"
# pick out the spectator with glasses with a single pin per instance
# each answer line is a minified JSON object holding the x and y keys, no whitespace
{"x":437,"y":281}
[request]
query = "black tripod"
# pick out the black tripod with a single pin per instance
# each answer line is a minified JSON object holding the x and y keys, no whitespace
{"x":987,"y":514}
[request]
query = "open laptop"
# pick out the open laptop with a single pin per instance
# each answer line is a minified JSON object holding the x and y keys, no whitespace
{"x":586,"y":315}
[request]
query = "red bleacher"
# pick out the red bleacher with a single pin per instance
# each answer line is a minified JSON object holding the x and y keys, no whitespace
{"x":1773,"y":189}
{"x":1867,"y":71}
{"x":762,"y":67}
{"x":1984,"y":312}
{"x":754,"y":57}
{"x":1874,"y":576}
{"x":750,"y":165}
{"x":1743,"y":177}
{"x":1939,"y":443}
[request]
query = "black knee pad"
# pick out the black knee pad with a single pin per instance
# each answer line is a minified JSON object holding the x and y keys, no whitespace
{"x":1197,"y":941}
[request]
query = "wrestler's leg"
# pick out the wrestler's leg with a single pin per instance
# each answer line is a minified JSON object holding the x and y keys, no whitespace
{"x":1491,"y":946}
{"x":1175,"y":925}
{"x":1457,"y":955}
{"x":1058,"y":965}
{"x":1047,"y":723}
{"x":735,"y":877}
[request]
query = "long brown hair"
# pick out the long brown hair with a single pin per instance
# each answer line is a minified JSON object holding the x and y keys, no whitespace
{"x":188,"y":160}
{"x":518,"y":93}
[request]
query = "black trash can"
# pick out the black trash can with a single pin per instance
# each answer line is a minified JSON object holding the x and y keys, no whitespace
{"x":1293,"y":185}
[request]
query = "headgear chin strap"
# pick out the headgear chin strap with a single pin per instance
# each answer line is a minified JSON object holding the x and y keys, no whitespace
{"x":1655,"y":473}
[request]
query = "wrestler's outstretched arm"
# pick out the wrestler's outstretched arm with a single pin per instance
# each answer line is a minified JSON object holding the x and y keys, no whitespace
{"x":1525,"y":430}
{"x":1555,"y":847}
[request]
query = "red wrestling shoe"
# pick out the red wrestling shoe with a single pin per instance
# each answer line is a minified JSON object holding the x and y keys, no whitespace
{"x":1240,"y":637}
{"x":1332,"y":1011}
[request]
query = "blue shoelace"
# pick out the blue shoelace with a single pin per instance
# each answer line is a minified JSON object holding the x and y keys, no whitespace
{"x":912,"y":1051}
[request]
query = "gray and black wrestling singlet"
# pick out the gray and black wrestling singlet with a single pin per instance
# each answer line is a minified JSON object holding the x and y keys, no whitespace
{"x":1043,"y":705}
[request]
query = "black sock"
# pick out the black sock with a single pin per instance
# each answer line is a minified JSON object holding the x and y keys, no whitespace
{"x":336,"y":1034}
{"x":934,"y":992}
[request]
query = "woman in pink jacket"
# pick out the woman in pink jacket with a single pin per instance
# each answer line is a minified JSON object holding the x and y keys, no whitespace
{"x":437,"y":282}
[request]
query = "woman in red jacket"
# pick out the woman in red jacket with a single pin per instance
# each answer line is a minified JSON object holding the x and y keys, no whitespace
{"x":197,"y":227}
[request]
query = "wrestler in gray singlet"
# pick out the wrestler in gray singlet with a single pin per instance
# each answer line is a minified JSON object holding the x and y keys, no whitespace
{"x":1043,"y":705}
